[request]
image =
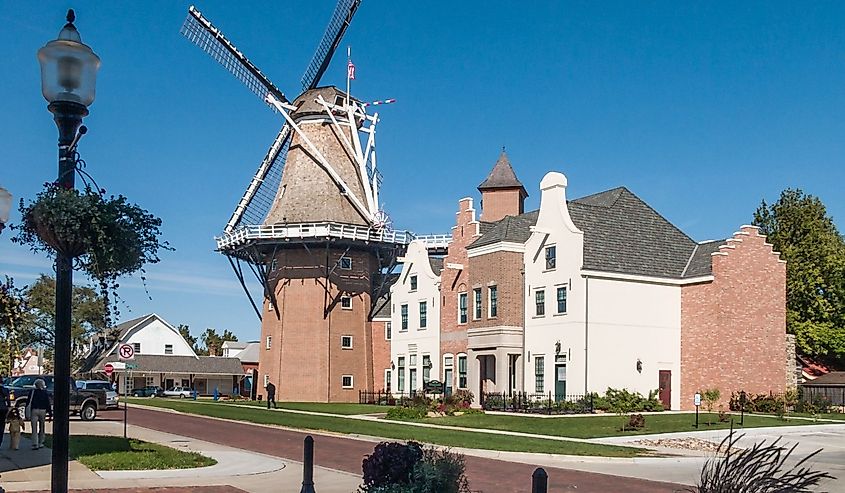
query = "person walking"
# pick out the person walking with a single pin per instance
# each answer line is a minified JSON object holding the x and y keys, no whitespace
{"x":271,"y":394}
{"x":39,"y":408}
{"x":16,"y":426}
{"x":5,"y":405}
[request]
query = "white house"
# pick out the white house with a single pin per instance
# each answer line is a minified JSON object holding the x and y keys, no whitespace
{"x":415,"y":321}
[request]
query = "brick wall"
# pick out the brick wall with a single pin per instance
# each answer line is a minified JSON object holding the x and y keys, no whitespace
{"x":453,"y":336}
{"x":498,"y":203}
{"x":733,"y":328}
{"x":504,"y":269}
{"x":381,"y":353}
{"x":305,"y":360}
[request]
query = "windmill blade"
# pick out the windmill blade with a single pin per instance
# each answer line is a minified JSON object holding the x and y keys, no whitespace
{"x":202,"y":33}
{"x":341,"y":17}
{"x":259,"y":195}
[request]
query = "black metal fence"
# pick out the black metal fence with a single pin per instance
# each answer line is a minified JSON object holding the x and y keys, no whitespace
{"x":538,"y":403}
{"x":387,"y":398}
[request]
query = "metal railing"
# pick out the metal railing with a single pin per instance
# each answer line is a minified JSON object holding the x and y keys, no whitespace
{"x":386,"y":397}
{"x":299,"y":231}
{"x":538,"y":403}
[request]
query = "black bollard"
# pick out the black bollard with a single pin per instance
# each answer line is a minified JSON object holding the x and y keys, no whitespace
{"x":539,"y":481}
{"x":308,"y":466}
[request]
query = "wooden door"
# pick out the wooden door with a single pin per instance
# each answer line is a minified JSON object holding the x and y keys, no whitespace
{"x":665,"y":386}
{"x":560,"y":382}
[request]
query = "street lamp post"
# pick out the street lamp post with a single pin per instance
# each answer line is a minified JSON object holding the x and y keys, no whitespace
{"x":68,"y":78}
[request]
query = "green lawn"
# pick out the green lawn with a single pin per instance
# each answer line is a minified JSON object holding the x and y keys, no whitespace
{"x":603,"y":426}
{"x":393,"y":431}
{"x":320,"y":407}
{"x":836,"y":416}
{"x":108,"y":453}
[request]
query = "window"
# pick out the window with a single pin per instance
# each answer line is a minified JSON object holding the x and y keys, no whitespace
{"x":149,"y":381}
{"x":137,"y":347}
{"x":387,"y":331}
{"x":346,"y":263}
{"x":346,"y":302}
{"x":412,"y":360}
{"x":168,"y":349}
{"x":494,"y":301}
{"x":426,"y":368}
{"x":423,"y":314}
{"x":476,"y":295}
{"x":413,"y":375}
{"x":462,"y":372}
{"x":346,"y":381}
{"x":401,"y":369}
{"x":404,"y":310}
{"x":346,"y":342}
{"x":540,"y":301}
{"x":539,"y":376}
{"x":269,"y":342}
{"x":387,"y":378}
{"x":561,"y":300}
{"x":413,"y":283}
{"x":551,"y":256}
{"x":462,"y":308}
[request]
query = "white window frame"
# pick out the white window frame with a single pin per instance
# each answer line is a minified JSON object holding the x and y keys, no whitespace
{"x":168,"y":347}
{"x":536,"y":305}
{"x":423,"y":304}
{"x":463,"y":296}
{"x":345,"y":263}
{"x":477,"y":303}
{"x":388,"y":331}
{"x":565,"y":300}
{"x":546,"y":258}
{"x":413,"y":283}
{"x":457,"y":371}
{"x":351,"y":382}
{"x":348,"y":302}
{"x":343,"y":339}
{"x":388,"y":380}
{"x":490,"y":291}
{"x":268,"y":342}
{"x":403,"y":317}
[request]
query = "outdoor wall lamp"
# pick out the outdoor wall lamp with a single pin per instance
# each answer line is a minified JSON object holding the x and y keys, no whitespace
{"x":392,"y":365}
{"x":639,"y":365}
{"x":5,"y":207}
{"x":557,"y":347}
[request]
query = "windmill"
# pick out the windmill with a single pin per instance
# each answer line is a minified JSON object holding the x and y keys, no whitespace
{"x":310,"y":226}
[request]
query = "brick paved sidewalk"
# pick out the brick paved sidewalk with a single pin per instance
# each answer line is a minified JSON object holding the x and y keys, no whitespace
{"x":167,"y":489}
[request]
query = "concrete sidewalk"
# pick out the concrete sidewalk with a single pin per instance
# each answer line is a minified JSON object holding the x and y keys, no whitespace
{"x":27,"y":469}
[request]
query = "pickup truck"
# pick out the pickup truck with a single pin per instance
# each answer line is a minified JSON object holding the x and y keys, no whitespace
{"x":86,"y":403}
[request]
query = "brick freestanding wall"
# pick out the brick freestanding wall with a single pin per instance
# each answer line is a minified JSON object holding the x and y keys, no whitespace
{"x":733,"y":329}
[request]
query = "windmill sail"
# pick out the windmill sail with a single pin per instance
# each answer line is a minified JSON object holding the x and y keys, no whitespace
{"x":202,"y":33}
{"x":341,"y":17}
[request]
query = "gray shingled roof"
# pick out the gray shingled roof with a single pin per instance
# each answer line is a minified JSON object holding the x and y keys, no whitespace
{"x":502,"y":176}
{"x":436,"y":264}
{"x":205,"y":365}
{"x":834,"y":378}
{"x":622,"y":234}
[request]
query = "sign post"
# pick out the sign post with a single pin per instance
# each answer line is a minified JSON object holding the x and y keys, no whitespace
{"x":697,"y":402}
{"x":108,"y":368}
{"x":126,"y":352}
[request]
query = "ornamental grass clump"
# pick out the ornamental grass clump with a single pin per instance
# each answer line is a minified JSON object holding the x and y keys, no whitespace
{"x":107,"y":237}
{"x":759,"y":469}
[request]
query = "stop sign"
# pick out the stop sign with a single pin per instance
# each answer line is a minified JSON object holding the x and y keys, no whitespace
{"x":109,"y":368}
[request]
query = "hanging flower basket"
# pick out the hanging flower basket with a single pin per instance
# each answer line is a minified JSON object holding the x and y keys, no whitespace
{"x":107,"y":236}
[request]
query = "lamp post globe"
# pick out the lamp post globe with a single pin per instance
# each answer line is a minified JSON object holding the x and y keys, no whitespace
{"x":5,"y":207}
{"x":68,"y":81}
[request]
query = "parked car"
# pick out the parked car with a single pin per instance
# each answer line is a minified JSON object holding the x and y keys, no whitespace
{"x":86,"y":403}
{"x":180,"y":392}
{"x":111,"y":395}
{"x":149,"y":391}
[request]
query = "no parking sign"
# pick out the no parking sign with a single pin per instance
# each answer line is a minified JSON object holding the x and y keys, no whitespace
{"x":126,"y":351}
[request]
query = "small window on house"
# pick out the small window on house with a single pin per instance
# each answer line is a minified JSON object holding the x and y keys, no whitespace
{"x":269,"y":342}
{"x":346,"y":342}
{"x":561,"y":300}
{"x":476,"y":299}
{"x":404,"y":310}
{"x":423,"y":314}
{"x":387,"y":331}
{"x":462,"y":372}
{"x":551,"y":256}
{"x":346,"y":263}
{"x":346,"y":302}
{"x":462,"y":308}
{"x":426,"y":368}
{"x":539,"y":375}
{"x":412,"y":360}
{"x":137,"y":347}
{"x":494,"y":301}
{"x":266,"y":380}
{"x":540,"y":302}
{"x":168,"y":349}
{"x":149,"y":381}
{"x":346,"y":381}
{"x":400,"y":367}
{"x":413,"y":283}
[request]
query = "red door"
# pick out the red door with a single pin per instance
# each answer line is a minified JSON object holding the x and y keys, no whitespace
{"x":665,"y":386}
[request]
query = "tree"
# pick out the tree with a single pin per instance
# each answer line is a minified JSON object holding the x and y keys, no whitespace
{"x":798,"y":226}
{"x":185,"y":332}
{"x":710,"y":397}
{"x":13,"y":314}
{"x":88,"y":316}
{"x":213,"y":342}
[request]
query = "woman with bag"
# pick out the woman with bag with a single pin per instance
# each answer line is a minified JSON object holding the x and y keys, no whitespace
{"x":38,"y":407}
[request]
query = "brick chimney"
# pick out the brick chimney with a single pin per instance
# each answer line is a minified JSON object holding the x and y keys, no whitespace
{"x":502,"y":194}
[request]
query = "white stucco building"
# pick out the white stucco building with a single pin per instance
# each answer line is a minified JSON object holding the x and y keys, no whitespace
{"x":415,"y":321}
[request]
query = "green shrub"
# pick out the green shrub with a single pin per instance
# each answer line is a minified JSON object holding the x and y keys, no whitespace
{"x":636,"y":422}
{"x":407,"y":413}
{"x":391,"y":463}
{"x":398,"y":468}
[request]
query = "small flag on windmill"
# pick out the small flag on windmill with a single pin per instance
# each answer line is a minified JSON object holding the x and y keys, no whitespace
{"x":350,"y":67}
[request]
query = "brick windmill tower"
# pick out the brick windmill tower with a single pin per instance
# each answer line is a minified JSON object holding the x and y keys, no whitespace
{"x":310,"y":228}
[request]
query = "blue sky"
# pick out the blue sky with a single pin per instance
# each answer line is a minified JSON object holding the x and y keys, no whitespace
{"x":701,"y":109}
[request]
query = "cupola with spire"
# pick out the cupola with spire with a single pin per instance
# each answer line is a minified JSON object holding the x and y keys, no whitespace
{"x":502,"y":194}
